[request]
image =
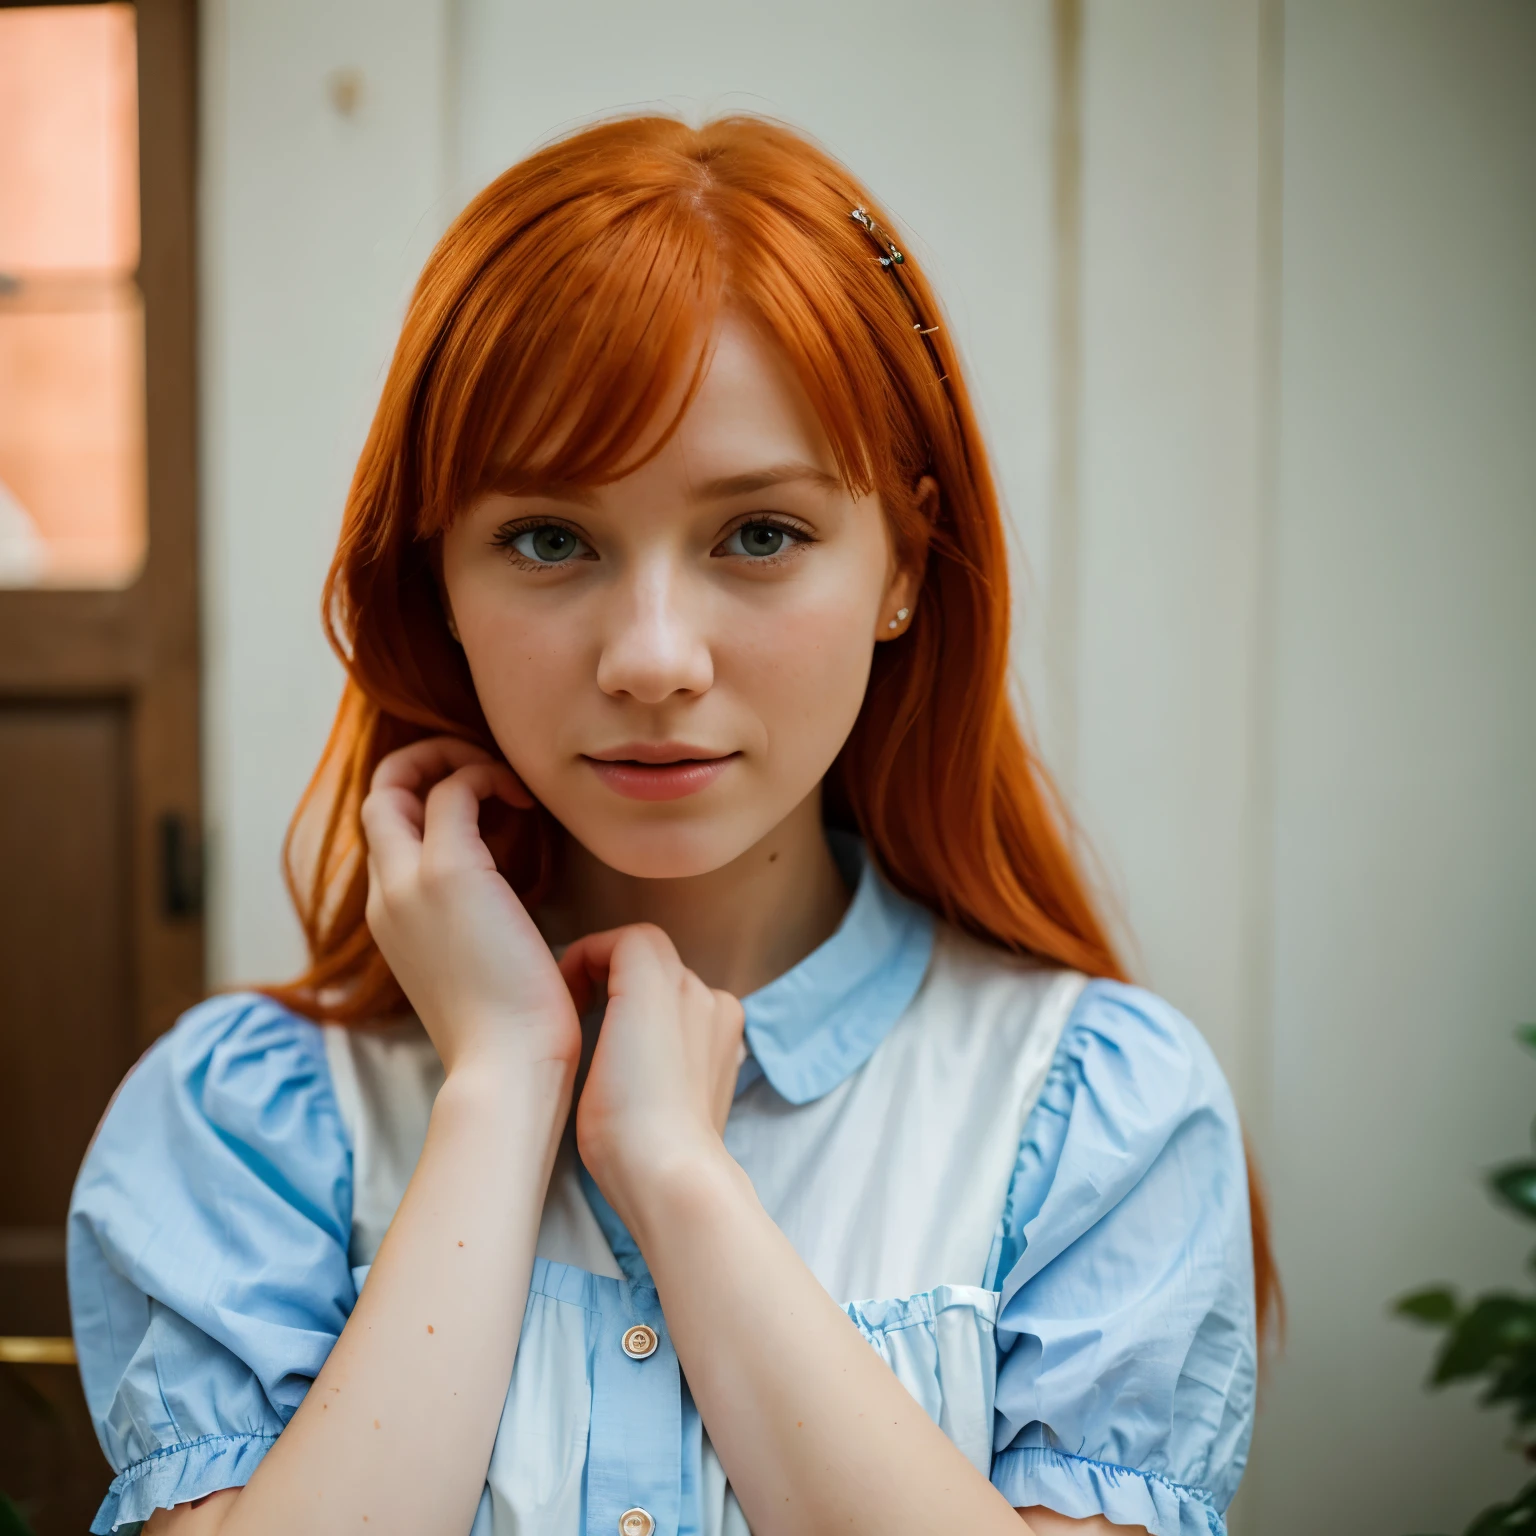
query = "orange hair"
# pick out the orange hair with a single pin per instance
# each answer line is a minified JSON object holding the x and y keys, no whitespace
{"x":580,"y":288}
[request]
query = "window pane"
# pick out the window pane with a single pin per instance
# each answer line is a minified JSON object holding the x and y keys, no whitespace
{"x":71,"y":319}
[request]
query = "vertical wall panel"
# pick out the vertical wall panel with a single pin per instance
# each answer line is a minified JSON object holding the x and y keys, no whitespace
{"x":1170,"y":493}
{"x":323,"y":190}
{"x":944,"y":111}
{"x":316,"y":221}
{"x":1406,"y":824}
{"x":1382,"y":748}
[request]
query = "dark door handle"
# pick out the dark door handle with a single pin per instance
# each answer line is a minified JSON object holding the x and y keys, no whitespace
{"x":181,"y":868}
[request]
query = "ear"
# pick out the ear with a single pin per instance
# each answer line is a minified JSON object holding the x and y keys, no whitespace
{"x":901,"y":591}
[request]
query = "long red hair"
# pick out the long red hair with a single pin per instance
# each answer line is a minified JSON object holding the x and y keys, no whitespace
{"x":579,"y":289}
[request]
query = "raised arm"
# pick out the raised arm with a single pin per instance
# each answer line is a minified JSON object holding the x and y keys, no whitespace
{"x":396,"y":1432}
{"x":813,"y":1429}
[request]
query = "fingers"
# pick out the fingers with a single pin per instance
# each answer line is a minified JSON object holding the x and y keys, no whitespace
{"x":730,"y":1019}
{"x":610,"y":959}
{"x":624,"y":960}
{"x":583,"y":976}
{"x":425,"y":761}
{"x":728,"y":1010}
{"x":394,"y":814}
{"x":392,"y":829}
{"x":451,"y":820}
{"x":418,"y":766}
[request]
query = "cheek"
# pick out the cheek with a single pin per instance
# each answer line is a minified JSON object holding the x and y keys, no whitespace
{"x":804,"y":670}
{"x":525,"y":674}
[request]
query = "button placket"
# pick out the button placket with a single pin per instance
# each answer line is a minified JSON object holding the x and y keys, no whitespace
{"x":634,"y":1450}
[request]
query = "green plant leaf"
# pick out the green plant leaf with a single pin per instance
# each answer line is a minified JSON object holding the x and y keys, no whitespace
{"x":1435,"y":1305}
{"x":1514,"y":1381}
{"x":1526,"y":1035}
{"x":1515,"y":1185}
{"x":1517,"y":1518}
{"x":1495,"y":1326}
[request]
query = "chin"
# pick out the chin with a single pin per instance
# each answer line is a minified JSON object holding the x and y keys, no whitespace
{"x":667,"y":850}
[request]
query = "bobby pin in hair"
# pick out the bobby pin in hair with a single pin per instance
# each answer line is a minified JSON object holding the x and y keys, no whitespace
{"x":892,"y":260}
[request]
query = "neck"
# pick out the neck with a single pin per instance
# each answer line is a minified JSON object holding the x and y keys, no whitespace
{"x":736,"y":927}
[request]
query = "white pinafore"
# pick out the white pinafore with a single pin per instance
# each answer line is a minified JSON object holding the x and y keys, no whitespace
{"x":891,"y":1187}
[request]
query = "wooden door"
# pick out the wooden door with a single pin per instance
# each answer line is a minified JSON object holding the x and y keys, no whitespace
{"x":101,"y":941}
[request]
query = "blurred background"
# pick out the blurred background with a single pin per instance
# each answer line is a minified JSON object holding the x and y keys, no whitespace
{"x":1247,"y":289}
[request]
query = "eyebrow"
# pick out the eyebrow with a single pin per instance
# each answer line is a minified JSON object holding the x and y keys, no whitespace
{"x":764,"y":479}
{"x":557,"y":490}
{"x":721,"y":489}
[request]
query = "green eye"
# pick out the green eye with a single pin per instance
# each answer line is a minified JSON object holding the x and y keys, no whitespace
{"x":758,"y":540}
{"x":547,"y":545}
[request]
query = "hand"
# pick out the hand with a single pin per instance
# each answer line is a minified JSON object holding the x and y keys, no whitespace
{"x":663,"y":1073}
{"x":461,"y":945}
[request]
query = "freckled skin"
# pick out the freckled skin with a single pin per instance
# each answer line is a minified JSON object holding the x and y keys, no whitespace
{"x":673,"y":632}
{"x":657,"y":629}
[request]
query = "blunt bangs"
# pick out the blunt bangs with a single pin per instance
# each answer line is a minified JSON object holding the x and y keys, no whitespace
{"x":570,"y":350}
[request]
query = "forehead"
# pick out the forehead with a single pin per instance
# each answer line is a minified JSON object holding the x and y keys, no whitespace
{"x":749,"y":414}
{"x":738,"y":421}
{"x":751,"y":401}
{"x":748,"y":427}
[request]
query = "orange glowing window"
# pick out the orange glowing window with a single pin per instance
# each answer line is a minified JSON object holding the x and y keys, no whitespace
{"x":72,"y":494}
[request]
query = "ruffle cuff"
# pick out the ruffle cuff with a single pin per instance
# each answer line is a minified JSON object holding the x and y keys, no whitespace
{"x":1080,"y":1489}
{"x":177,"y":1475}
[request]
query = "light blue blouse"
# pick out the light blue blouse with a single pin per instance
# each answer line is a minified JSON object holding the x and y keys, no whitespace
{"x":209,"y":1270}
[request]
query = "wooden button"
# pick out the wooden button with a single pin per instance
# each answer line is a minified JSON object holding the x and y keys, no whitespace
{"x":639,"y":1343}
{"x":636,"y":1522}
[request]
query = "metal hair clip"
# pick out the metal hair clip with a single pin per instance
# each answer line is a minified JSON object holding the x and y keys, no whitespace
{"x":892,"y":260}
{"x":861,"y":217}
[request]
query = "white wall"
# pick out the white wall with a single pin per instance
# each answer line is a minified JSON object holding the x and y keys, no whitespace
{"x":315,"y":223}
{"x":1405,"y":818}
{"x":313,"y":226}
{"x":1171,"y":504}
{"x":1296,"y":622}
{"x":1305,"y":710}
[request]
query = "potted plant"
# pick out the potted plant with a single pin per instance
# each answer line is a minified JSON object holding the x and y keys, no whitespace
{"x":1492,"y":1338}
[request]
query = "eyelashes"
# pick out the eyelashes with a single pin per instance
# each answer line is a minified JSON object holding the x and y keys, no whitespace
{"x":758,"y":540}
{"x":763,"y":540}
{"x":542,"y":543}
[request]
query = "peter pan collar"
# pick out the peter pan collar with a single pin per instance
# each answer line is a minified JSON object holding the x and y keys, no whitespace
{"x":821,"y":1020}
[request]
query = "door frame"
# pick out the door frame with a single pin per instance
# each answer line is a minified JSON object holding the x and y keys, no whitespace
{"x":140,"y":644}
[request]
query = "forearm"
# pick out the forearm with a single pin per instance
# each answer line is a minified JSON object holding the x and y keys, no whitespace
{"x":398,"y":1427}
{"x":813,"y":1430}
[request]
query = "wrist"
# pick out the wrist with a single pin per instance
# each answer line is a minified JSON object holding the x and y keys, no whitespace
{"x":509,"y":1091}
{"x":508,"y":1047}
{"x":692,"y":1190}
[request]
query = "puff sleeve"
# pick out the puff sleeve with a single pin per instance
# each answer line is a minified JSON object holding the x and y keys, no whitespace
{"x":208,"y":1267}
{"x":1126,"y":1333}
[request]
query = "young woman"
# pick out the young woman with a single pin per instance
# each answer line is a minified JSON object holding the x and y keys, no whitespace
{"x":673,"y":599}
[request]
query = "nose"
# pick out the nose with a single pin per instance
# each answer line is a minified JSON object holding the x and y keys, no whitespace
{"x":655,"y":643}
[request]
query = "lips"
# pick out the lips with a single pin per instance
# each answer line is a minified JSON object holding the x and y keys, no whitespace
{"x":658,"y":770}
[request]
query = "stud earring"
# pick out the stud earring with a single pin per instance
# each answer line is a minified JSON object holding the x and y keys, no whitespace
{"x":901,"y":615}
